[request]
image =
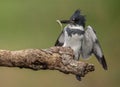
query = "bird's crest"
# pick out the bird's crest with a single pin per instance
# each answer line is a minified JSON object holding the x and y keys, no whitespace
{"x":78,"y":18}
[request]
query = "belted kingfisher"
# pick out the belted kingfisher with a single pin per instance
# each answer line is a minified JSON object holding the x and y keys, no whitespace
{"x":83,"y":42}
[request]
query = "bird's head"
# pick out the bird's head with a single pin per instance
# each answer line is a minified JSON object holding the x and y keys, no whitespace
{"x":76,"y":18}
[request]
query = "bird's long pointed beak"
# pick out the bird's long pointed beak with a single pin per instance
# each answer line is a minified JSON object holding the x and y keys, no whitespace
{"x":66,"y":21}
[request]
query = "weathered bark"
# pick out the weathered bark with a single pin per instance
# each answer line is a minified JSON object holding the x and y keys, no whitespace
{"x":54,"y":58}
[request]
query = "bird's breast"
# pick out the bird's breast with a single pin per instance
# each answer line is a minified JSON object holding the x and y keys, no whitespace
{"x":73,"y":40}
{"x":74,"y":32}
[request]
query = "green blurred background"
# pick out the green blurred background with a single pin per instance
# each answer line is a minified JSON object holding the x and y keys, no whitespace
{"x":32,"y":24}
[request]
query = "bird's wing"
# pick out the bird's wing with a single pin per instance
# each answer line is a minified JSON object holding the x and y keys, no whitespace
{"x":60,"y":40}
{"x":91,"y":45}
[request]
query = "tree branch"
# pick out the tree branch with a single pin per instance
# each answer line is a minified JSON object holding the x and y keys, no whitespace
{"x":54,"y":58}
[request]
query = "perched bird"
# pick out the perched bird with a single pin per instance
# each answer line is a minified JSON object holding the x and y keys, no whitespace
{"x":84,"y":42}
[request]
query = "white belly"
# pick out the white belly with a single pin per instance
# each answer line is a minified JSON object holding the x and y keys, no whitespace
{"x":75,"y":43}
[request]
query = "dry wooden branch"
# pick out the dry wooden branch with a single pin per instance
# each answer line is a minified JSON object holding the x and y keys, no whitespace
{"x":54,"y":58}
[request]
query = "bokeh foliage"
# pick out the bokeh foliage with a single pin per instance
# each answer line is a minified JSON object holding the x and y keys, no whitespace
{"x":32,"y":24}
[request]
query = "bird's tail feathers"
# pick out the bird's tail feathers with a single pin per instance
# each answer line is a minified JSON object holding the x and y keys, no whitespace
{"x":103,"y":62}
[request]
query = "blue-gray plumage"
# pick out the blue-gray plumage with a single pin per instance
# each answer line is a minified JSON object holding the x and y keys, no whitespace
{"x":74,"y":31}
{"x":83,"y":42}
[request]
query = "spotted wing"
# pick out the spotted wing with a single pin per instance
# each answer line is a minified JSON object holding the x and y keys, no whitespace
{"x":91,"y":45}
